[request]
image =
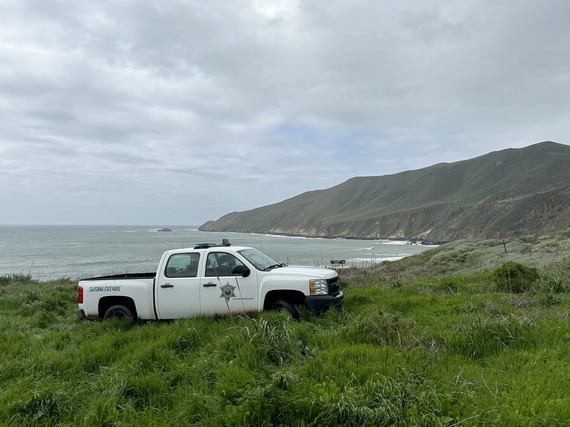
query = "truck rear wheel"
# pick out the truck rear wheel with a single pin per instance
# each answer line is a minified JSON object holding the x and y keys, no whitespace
{"x":119,"y":311}
{"x":284,"y":305}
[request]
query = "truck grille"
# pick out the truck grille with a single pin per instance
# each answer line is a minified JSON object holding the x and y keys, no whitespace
{"x":334,"y":285}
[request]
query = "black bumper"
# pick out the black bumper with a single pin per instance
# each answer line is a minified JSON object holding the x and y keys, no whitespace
{"x":320,"y":303}
{"x":80,"y":314}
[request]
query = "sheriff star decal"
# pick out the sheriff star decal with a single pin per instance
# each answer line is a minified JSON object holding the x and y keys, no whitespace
{"x":227,"y":291}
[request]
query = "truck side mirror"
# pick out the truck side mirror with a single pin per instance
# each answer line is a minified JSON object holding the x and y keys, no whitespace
{"x":241,"y":270}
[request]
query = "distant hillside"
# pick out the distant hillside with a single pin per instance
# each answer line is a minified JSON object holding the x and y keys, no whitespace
{"x":502,"y":194}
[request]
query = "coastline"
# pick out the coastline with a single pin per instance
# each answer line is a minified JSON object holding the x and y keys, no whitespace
{"x":47,"y":252}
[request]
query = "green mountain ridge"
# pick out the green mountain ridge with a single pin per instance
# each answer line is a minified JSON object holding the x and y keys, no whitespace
{"x":502,"y":194}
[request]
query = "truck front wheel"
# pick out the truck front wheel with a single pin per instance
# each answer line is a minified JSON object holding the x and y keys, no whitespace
{"x":119,"y":311}
{"x":284,"y":305}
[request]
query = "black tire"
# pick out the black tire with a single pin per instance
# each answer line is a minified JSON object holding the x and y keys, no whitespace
{"x":284,"y":305}
{"x":119,"y":311}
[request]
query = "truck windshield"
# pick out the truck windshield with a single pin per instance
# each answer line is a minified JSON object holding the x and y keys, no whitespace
{"x":259,"y":259}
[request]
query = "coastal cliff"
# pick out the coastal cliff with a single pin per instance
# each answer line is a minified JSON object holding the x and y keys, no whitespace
{"x":502,"y":194}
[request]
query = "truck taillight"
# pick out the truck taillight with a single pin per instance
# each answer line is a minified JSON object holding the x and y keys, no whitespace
{"x":80,"y":295}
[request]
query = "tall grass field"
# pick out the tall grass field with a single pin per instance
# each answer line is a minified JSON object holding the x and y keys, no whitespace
{"x":468,"y":334}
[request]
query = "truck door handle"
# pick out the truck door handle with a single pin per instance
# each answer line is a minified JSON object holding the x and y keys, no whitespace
{"x":209,"y":285}
{"x":167,"y":285}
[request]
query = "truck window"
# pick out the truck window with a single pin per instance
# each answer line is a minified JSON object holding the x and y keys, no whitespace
{"x":220,"y":264}
{"x":182,"y":265}
{"x":257,"y":258}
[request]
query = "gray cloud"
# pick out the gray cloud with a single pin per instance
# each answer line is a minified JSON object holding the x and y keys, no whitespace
{"x":177,"y":112}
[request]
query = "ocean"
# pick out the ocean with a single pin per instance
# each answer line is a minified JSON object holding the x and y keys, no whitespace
{"x":55,"y":252}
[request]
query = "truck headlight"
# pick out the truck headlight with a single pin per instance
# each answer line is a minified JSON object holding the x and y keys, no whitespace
{"x":318,"y":287}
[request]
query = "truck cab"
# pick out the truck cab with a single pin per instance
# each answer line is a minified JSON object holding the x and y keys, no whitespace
{"x":232,"y":279}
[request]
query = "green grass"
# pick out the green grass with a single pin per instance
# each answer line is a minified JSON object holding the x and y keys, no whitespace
{"x":412,"y":347}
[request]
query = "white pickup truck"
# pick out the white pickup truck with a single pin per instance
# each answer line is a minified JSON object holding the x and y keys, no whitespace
{"x":209,"y":279}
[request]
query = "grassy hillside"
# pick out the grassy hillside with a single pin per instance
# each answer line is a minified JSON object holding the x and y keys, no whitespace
{"x":434,"y":339}
{"x":502,"y":194}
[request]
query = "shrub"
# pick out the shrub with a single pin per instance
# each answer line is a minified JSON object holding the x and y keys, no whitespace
{"x":514,"y":277}
{"x":548,"y":287}
{"x":553,"y":284}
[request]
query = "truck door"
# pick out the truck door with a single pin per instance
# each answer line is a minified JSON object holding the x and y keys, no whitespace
{"x":223,"y":292}
{"x":178,"y":287}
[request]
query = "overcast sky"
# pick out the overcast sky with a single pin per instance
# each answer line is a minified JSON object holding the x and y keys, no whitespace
{"x":175,"y":112}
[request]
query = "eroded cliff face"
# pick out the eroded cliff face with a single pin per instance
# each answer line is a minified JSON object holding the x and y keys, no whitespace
{"x":538,"y":214}
{"x":498,"y":219}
